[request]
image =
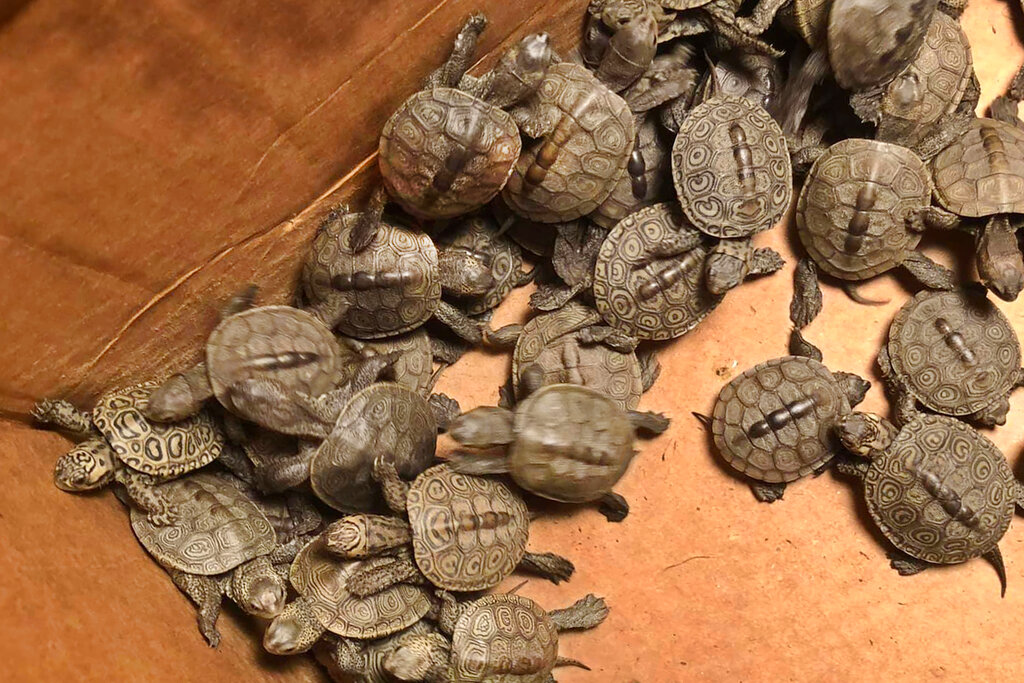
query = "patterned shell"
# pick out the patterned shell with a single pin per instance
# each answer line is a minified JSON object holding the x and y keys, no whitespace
{"x":810,"y":18}
{"x":414,"y":367}
{"x":382,"y":309}
{"x":320,"y":577}
{"x":936,"y":458}
{"x":851,"y":216}
{"x":955,"y":350}
{"x":749,"y":75}
{"x":480,"y":236}
{"x":549,"y":341}
{"x":682,"y":4}
{"x":630,"y":269}
{"x":161,"y":450}
{"x":645,"y":182}
{"x":931,"y":86}
{"x":219,"y":527}
{"x":468,"y":533}
{"x":503,"y":639}
{"x":276,"y":342}
{"x":982,"y":172}
{"x":587,"y":134}
{"x":731,"y":168}
{"x":383,"y":419}
{"x":791,"y":448}
{"x":572,"y":444}
{"x":445,"y":153}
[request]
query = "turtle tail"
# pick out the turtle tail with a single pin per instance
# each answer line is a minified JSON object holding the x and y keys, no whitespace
{"x":703,"y":419}
{"x":566,"y":661}
{"x":851,"y":291}
{"x":996,"y":558}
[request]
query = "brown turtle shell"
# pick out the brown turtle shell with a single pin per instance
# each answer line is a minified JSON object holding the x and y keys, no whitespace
{"x":159,"y":449}
{"x":413,"y":368}
{"x":645,"y":182}
{"x":940,"y":373}
{"x":749,"y":75}
{"x":277,"y":342}
{"x":381,"y":310}
{"x":481,"y":236}
{"x":587,"y":136}
{"x":682,"y":4}
{"x":426,"y":138}
{"x":798,"y":447}
{"x":935,"y":451}
{"x":503,"y":638}
{"x":383,"y":419}
{"x":468,"y":533}
{"x":627,"y":262}
{"x":572,"y":444}
{"x":982,"y":172}
{"x":853,"y":209}
{"x":731,"y":168}
{"x":218,"y":529}
{"x":810,"y":18}
{"x":321,"y":578}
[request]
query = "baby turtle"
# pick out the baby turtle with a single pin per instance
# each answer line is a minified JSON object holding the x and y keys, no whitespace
{"x":954,"y":353}
{"x":565,"y":442}
{"x":467,"y":534}
{"x":620,"y":59}
{"x":117,"y":443}
{"x":325,"y":603}
{"x":646,"y":180}
{"x":584,"y":135}
{"x":731,"y":168}
{"x":502,"y":637}
{"x":413,"y":365}
{"x":358,"y":661}
{"x":937,"y":489}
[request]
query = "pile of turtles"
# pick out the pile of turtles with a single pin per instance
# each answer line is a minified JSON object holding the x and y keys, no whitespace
{"x":294,"y":470}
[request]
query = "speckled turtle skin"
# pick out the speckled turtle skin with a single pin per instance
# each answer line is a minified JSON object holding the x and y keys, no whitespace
{"x":468,"y":533}
{"x":479,"y":235}
{"x":428,"y":129}
{"x":798,"y":448}
{"x":852,"y":212}
{"x":933,"y":369}
{"x":383,"y":419}
{"x":810,"y":19}
{"x":412,"y":369}
{"x":504,"y":639}
{"x":584,"y":134}
{"x":629,"y":259}
{"x":982,"y":172}
{"x":321,"y":577}
{"x":731,"y":168}
{"x":383,"y":309}
{"x":966,"y":463}
{"x":218,"y":528}
{"x":162,"y":450}
{"x":551,"y":425}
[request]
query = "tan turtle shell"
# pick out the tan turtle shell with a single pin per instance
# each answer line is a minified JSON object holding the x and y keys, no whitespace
{"x":503,"y":638}
{"x":218,"y":529}
{"x":321,"y":578}
{"x":445,"y":153}
{"x":414,"y":367}
{"x":468,"y":533}
{"x":982,"y":172}
{"x":628,"y":261}
{"x":384,"y":308}
{"x":572,"y":444}
{"x":731,"y":168}
{"x":645,"y":182}
{"x":787,"y":451}
{"x":853,"y":209}
{"x":935,"y":451}
{"x":159,"y":449}
{"x":586,"y":134}
{"x":942,"y":374}
{"x":480,"y":236}
{"x":383,"y":419}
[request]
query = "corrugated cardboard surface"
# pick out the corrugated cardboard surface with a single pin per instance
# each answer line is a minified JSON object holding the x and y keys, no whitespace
{"x":157,"y":155}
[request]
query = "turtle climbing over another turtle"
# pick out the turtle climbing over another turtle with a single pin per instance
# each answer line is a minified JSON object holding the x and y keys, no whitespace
{"x":359,"y":661}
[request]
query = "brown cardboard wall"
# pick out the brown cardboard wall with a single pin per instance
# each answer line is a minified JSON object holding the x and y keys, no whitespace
{"x":158,"y":155}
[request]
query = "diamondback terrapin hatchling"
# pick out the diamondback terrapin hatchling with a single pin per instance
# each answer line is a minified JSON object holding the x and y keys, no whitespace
{"x":858,"y":216}
{"x":954,"y":353}
{"x":564,"y":442}
{"x":325,"y":603}
{"x":413,"y":366}
{"x":774,"y":423}
{"x":467,"y":534}
{"x":619,"y":59}
{"x":503,"y":637}
{"x":349,"y":660}
{"x":117,"y":443}
{"x":937,"y":489}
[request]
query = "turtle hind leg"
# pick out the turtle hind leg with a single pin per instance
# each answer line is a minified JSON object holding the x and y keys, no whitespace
{"x":450,"y":73}
{"x":649,"y":423}
{"x":587,"y":612}
{"x":928,"y":272}
{"x":445,"y":410}
{"x":799,"y":346}
{"x":905,"y":564}
{"x":550,"y":566}
{"x":62,"y":415}
{"x":143,"y":494}
{"x":614,"y":507}
{"x":996,"y":558}
{"x":369,"y":582}
{"x":768,"y":492}
{"x":206,"y":593}
{"x":807,"y":300}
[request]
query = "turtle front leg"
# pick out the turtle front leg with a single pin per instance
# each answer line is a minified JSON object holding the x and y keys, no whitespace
{"x":760,"y":17}
{"x":807,"y":300}
{"x":63,"y":415}
{"x":586,"y":613}
{"x":649,"y":423}
{"x":650,"y":369}
{"x":394,"y":488}
{"x":503,"y":338}
{"x":932,"y":218}
{"x":799,"y":346}
{"x":854,"y":386}
{"x":461,"y":324}
{"x":550,"y":566}
{"x":614,"y":507}
{"x":205,"y":592}
{"x":852,"y":468}
{"x":368,"y":222}
{"x":609,"y":336}
{"x":905,"y":564}
{"x":461,"y":57}
{"x":994,"y":414}
{"x":180,"y":396}
{"x":768,"y":492}
{"x":367,"y":582}
{"x":141,"y":489}
{"x":445,"y":408}
{"x":928,"y":272}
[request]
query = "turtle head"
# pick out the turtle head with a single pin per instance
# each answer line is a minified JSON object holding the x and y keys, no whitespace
{"x":865,"y":434}
{"x":90,"y":465}
{"x":520,"y":71}
{"x":294,"y":630}
{"x":999,"y":260}
{"x":420,"y":658}
{"x":994,"y":413}
{"x":258,"y":589}
{"x":171,"y":401}
{"x":483,"y":428}
{"x":349,"y":537}
{"x":464,"y":273}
